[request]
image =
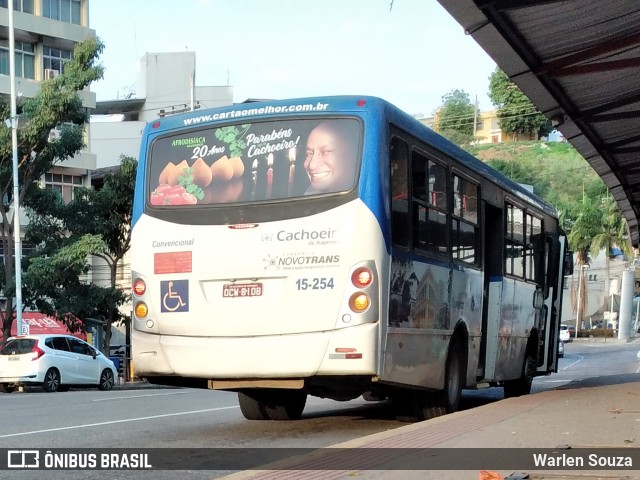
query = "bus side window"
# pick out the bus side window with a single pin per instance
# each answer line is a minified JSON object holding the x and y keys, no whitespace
{"x":438,"y":186}
{"x":399,"y":156}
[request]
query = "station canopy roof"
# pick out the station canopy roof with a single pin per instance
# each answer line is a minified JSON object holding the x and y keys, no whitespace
{"x":578,"y":61}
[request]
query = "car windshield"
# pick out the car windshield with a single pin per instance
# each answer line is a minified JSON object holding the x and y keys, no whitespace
{"x":18,"y":345}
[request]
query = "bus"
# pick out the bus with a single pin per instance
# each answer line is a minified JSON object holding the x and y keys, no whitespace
{"x":336,"y":247}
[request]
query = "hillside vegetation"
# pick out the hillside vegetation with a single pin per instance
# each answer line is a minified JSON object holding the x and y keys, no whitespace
{"x":556,"y":170}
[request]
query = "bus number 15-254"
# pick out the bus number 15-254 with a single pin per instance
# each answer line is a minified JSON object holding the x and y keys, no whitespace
{"x":314,"y":283}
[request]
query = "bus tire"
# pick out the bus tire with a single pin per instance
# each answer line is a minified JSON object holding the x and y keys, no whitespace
{"x":448,"y":400}
{"x":521,"y":386}
{"x":286,"y":404}
{"x":406,"y":405}
{"x":251,"y":407}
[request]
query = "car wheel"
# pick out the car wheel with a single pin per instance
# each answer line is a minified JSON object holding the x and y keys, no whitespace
{"x":51,"y":381}
{"x":6,"y":388}
{"x":106,"y":380}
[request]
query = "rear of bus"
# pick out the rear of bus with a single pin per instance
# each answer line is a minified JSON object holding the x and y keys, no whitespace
{"x":256,"y":262}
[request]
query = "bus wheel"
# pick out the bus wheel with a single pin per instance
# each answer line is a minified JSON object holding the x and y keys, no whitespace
{"x":406,"y":405}
{"x":272,"y":404}
{"x":251,"y":407}
{"x":447,"y":400}
{"x":286,"y":404}
{"x":521,"y":386}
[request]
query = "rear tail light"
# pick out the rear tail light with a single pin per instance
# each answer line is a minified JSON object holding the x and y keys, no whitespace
{"x":139,"y":287}
{"x":141,"y":310}
{"x":362,"y":277}
{"x":38,"y":352}
{"x":359,"y":302}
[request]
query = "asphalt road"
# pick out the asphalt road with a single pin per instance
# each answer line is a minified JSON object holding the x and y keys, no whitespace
{"x":186,"y":418}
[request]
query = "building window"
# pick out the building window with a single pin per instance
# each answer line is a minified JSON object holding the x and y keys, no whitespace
{"x":25,"y":59}
{"x":65,"y":185}
{"x":55,"y":58}
{"x":25,"y":6}
{"x":63,"y":10}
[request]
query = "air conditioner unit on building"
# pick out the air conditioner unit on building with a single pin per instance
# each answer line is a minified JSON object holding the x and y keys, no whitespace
{"x":50,"y":73}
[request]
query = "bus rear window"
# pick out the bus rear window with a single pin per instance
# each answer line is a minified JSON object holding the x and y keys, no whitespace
{"x":260,"y":161}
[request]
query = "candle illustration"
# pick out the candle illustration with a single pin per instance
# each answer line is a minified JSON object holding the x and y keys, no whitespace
{"x":254,"y":176}
{"x":269,"y":174}
{"x":292,"y":168}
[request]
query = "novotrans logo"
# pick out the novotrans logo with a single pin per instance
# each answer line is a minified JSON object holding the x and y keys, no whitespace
{"x":301,"y":260}
{"x":270,"y":262}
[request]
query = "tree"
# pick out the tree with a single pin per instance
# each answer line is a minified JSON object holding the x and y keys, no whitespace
{"x":516,"y":113}
{"x":598,"y":226}
{"x":456,"y":117}
{"x":612,"y":233}
{"x":584,"y":229}
{"x":102,"y":215}
{"x":57,"y":103}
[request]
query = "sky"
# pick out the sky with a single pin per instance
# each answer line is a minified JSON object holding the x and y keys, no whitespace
{"x":411,"y":53}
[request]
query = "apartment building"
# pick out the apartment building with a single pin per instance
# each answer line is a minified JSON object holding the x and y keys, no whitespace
{"x":45,"y":33}
{"x":165,"y":85}
{"x":486,"y":127}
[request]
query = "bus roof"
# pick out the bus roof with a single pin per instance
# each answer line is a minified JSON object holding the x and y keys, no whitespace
{"x":345,"y":104}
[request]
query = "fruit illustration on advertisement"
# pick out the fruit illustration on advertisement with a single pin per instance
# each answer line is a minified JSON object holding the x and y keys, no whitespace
{"x":172,"y":195}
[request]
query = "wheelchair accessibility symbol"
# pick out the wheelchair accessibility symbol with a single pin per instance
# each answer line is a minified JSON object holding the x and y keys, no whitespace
{"x":175,"y":296}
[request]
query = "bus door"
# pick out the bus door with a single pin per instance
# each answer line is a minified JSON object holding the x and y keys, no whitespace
{"x":493,"y":250}
{"x":551,"y":268}
{"x":543,"y":295}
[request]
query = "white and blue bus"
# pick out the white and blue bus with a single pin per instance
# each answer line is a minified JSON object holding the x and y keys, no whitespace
{"x":336,"y":247}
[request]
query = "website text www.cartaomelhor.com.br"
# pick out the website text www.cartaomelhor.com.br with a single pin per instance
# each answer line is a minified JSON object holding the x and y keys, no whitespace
{"x":246,"y":112}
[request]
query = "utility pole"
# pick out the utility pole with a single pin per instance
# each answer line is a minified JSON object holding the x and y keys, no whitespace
{"x":475,"y":118}
{"x":17,"y":254}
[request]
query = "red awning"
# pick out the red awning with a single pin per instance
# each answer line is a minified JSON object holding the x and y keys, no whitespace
{"x":41,"y":323}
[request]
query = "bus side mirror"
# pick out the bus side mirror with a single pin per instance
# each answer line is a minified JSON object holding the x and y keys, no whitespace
{"x":538,"y":298}
{"x":568,"y":263}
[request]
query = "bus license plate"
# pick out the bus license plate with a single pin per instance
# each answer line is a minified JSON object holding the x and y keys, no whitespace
{"x":242,"y":290}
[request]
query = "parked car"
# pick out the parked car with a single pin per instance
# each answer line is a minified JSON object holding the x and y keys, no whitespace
{"x":560,"y":348}
{"x":56,"y":362}
{"x":565,"y":333}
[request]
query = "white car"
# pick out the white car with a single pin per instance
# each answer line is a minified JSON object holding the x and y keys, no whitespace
{"x":565,"y":333}
{"x":56,"y":362}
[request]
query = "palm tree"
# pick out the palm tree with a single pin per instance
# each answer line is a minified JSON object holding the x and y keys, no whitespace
{"x":585,"y":227}
{"x":613,"y":233}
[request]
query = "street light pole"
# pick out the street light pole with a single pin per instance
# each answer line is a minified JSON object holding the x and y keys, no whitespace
{"x":578,"y":309}
{"x":17,"y":253}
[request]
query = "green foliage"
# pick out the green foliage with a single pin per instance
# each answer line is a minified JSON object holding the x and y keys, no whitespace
{"x":556,"y":170}
{"x":56,"y":103}
{"x":186,"y":180}
{"x":233,"y":137}
{"x":95,"y":222}
{"x":457,"y":114}
{"x":516,"y":113}
{"x":563,"y":178}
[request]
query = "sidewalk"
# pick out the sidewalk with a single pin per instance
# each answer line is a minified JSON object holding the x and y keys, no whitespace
{"x":590,"y":417}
